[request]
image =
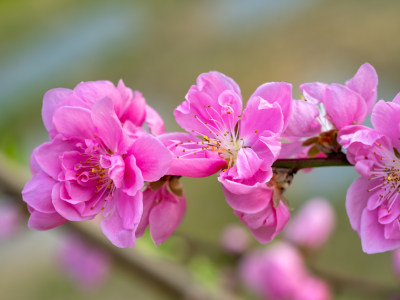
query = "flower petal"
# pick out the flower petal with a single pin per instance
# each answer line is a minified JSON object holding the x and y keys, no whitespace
{"x":247,"y":163}
{"x":64,"y":208}
{"x":47,"y":155}
{"x":372,"y":234}
{"x":313,"y":92}
{"x":130,"y":208}
{"x":344,"y":106}
{"x":44,"y":221}
{"x":302,"y":120}
{"x":259,"y":116}
{"x":203,"y":109}
{"x":108,"y":126}
{"x":245,"y":198}
{"x":365,"y":82}
{"x":37,"y":193}
{"x":149,"y":200}
{"x":51,"y":99}
{"x":202,"y":164}
{"x":276,"y":92}
{"x":356,"y":201}
{"x":113,"y":229}
{"x":166,"y":217}
{"x":134,"y":106}
{"x":133,"y":179}
{"x":386,"y":119}
{"x":154,"y":121}
{"x":74,"y":122}
{"x":152,"y":157}
{"x":267,"y":233}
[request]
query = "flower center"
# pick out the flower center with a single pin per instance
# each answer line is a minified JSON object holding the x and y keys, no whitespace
{"x":387,"y":174}
{"x":90,"y":171}
{"x":223,"y":137}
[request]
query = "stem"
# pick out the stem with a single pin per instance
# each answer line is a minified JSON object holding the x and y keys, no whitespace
{"x":303,"y":163}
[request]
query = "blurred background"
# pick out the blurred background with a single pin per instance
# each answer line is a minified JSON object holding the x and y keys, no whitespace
{"x":160,"y":47}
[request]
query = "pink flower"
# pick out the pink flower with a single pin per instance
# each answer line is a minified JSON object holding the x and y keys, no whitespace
{"x":246,"y":143}
{"x":234,"y":239}
{"x":10,"y":219}
{"x":278,"y":273}
{"x":86,"y":265}
{"x":372,"y":200}
{"x":327,"y":108}
{"x":312,"y":225}
{"x":93,"y":163}
{"x":163,"y":209}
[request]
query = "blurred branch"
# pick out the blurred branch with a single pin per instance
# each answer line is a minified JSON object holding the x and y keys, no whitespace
{"x":303,"y":163}
{"x":339,"y":280}
{"x":171,"y":277}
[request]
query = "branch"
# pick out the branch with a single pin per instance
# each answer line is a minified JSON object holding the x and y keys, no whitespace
{"x":303,"y":163}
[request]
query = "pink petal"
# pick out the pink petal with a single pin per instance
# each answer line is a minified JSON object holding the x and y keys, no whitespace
{"x":149,"y":200}
{"x":276,"y":92}
{"x":133,"y":179}
{"x":247,"y":163}
{"x":91,"y":91}
{"x":130,"y":208}
{"x":196,"y":167}
{"x":152,"y":157}
{"x":372,"y":234}
{"x":203,"y":104}
{"x":45,"y":221}
{"x":114,"y":230}
{"x":192,"y":166}
{"x":302,"y":121}
{"x":51,"y":99}
{"x":154,"y":121}
{"x":134,"y":109}
{"x":166,"y":217}
{"x":74,"y":122}
{"x":107,"y":124}
{"x":116,"y":168}
{"x":396,"y":99}
{"x":344,"y":106}
{"x":314,"y":91}
{"x":358,"y":140}
{"x":47,"y":155}
{"x":365,"y":82}
{"x":65,"y":209}
{"x":265,"y":234}
{"x":259,"y":116}
{"x":356,"y":201}
{"x":386,"y":119}
{"x":267,"y":147}
{"x":244,"y":198}
{"x":37,"y":193}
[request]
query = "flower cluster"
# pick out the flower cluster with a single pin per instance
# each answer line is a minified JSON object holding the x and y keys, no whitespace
{"x":109,"y":156}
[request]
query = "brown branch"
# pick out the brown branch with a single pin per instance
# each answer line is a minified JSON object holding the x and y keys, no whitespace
{"x":303,"y":163}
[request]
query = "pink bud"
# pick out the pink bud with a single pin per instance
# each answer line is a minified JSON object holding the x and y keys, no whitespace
{"x":234,"y":239}
{"x":312,"y":225}
{"x":84,"y":264}
{"x":10,"y":220}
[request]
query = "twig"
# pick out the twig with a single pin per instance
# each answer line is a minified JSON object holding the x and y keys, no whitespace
{"x":302,"y":163}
